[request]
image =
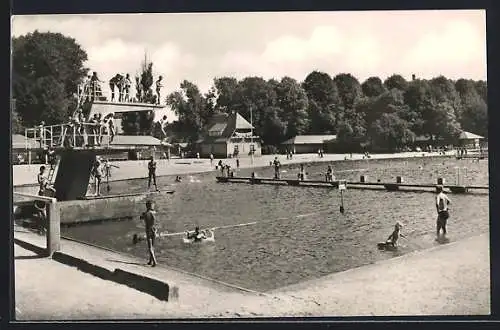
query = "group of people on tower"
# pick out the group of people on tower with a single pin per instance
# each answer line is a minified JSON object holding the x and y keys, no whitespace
{"x":91,"y":88}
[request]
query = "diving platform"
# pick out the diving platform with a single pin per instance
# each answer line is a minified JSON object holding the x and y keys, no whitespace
{"x":456,"y":189}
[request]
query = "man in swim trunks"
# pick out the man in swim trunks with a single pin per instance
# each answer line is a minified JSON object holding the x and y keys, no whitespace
{"x":442,"y":202}
{"x":329,"y":174}
{"x":150,"y":226}
{"x":152,"y":172}
{"x":392,"y":240}
{"x":302,"y":173}
{"x":97,"y":172}
{"x":277,"y":166}
{"x":44,"y":185}
{"x":159,"y":86}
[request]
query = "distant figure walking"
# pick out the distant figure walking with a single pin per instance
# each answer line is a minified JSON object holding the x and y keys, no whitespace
{"x":211,"y":159}
{"x":159,"y":86}
{"x":151,"y":232}
{"x":442,"y":202}
{"x":152,"y":172}
{"x":277,"y":165}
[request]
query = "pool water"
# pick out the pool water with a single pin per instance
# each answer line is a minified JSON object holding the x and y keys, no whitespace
{"x":299,"y":232}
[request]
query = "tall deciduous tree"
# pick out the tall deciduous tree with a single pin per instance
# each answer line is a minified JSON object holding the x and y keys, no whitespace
{"x":292,"y":99}
{"x":350,"y":91}
{"x":141,"y":123}
{"x":324,"y":103}
{"x":225,"y":92}
{"x":390,"y":132}
{"x":255,"y":94}
{"x":46,"y":70}
{"x":373,"y":86}
{"x":189,"y":105}
{"x":396,"y":81}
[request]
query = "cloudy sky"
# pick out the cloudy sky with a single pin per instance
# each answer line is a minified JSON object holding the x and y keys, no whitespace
{"x":199,"y":47}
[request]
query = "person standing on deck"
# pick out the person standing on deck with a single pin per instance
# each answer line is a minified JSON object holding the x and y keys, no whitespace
{"x":302,"y":173}
{"x":87,"y":88}
{"x":152,"y":173}
{"x":277,"y":165}
{"x":442,"y":202}
{"x":159,"y":86}
{"x":126,"y":83}
{"x":150,"y":226}
{"x":107,"y":168}
{"x":114,"y":82}
{"x":94,"y":84}
{"x":103,"y":127}
{"x":110,"y":126}
{"x":329,"y":174}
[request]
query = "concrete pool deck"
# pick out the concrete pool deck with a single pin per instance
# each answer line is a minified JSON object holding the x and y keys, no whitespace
{"x":26,"y":174}
{"x":452,"y":279}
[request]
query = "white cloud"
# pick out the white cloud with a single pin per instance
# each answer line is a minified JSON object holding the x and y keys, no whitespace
{"x":450,"y":51}
{"x":427,"y":43}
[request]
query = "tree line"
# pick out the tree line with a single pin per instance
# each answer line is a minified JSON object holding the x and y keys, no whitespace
{"x":377,"y":114}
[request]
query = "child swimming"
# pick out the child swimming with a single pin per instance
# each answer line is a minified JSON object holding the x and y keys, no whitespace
{"x":393,"y":238}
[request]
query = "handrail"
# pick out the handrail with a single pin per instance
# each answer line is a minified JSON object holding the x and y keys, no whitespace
{"x":55,"y":135}
{"x":85,"y":91}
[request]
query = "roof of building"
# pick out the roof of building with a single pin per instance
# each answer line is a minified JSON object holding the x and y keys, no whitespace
{"x":310,"y":139}
{"x":468,"y":135}
{"x":225,"y":125}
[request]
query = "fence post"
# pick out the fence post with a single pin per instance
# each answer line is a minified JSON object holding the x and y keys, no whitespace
{"x":53,"y":228}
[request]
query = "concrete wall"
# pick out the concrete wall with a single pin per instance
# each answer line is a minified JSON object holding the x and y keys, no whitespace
{"x":102,"y":209}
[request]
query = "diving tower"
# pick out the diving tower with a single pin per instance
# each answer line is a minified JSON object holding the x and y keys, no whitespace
{"x":74,"y":146}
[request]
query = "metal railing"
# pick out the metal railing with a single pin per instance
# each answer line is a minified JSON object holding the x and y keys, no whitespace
{"x":69,"y":135}
{"x":94,"y":92}
{"x":53,"y":221}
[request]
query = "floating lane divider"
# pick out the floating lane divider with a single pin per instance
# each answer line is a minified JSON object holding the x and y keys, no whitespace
{"x":362,"y":184}
{"x":141,"y":236}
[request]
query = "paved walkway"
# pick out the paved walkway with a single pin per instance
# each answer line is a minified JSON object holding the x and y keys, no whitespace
{"x":453,"y":279}
{"x":26,"y":174}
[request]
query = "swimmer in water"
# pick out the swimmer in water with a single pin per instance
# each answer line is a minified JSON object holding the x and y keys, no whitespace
{"x":393,"y":238}
{"x":178,"y":179}
{"x":197,"y":235}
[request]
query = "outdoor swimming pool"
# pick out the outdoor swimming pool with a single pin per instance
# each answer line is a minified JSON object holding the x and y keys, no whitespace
{"x":300,"y":233}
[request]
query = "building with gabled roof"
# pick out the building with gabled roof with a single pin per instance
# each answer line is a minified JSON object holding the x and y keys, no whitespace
{"x":229,"y":136}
